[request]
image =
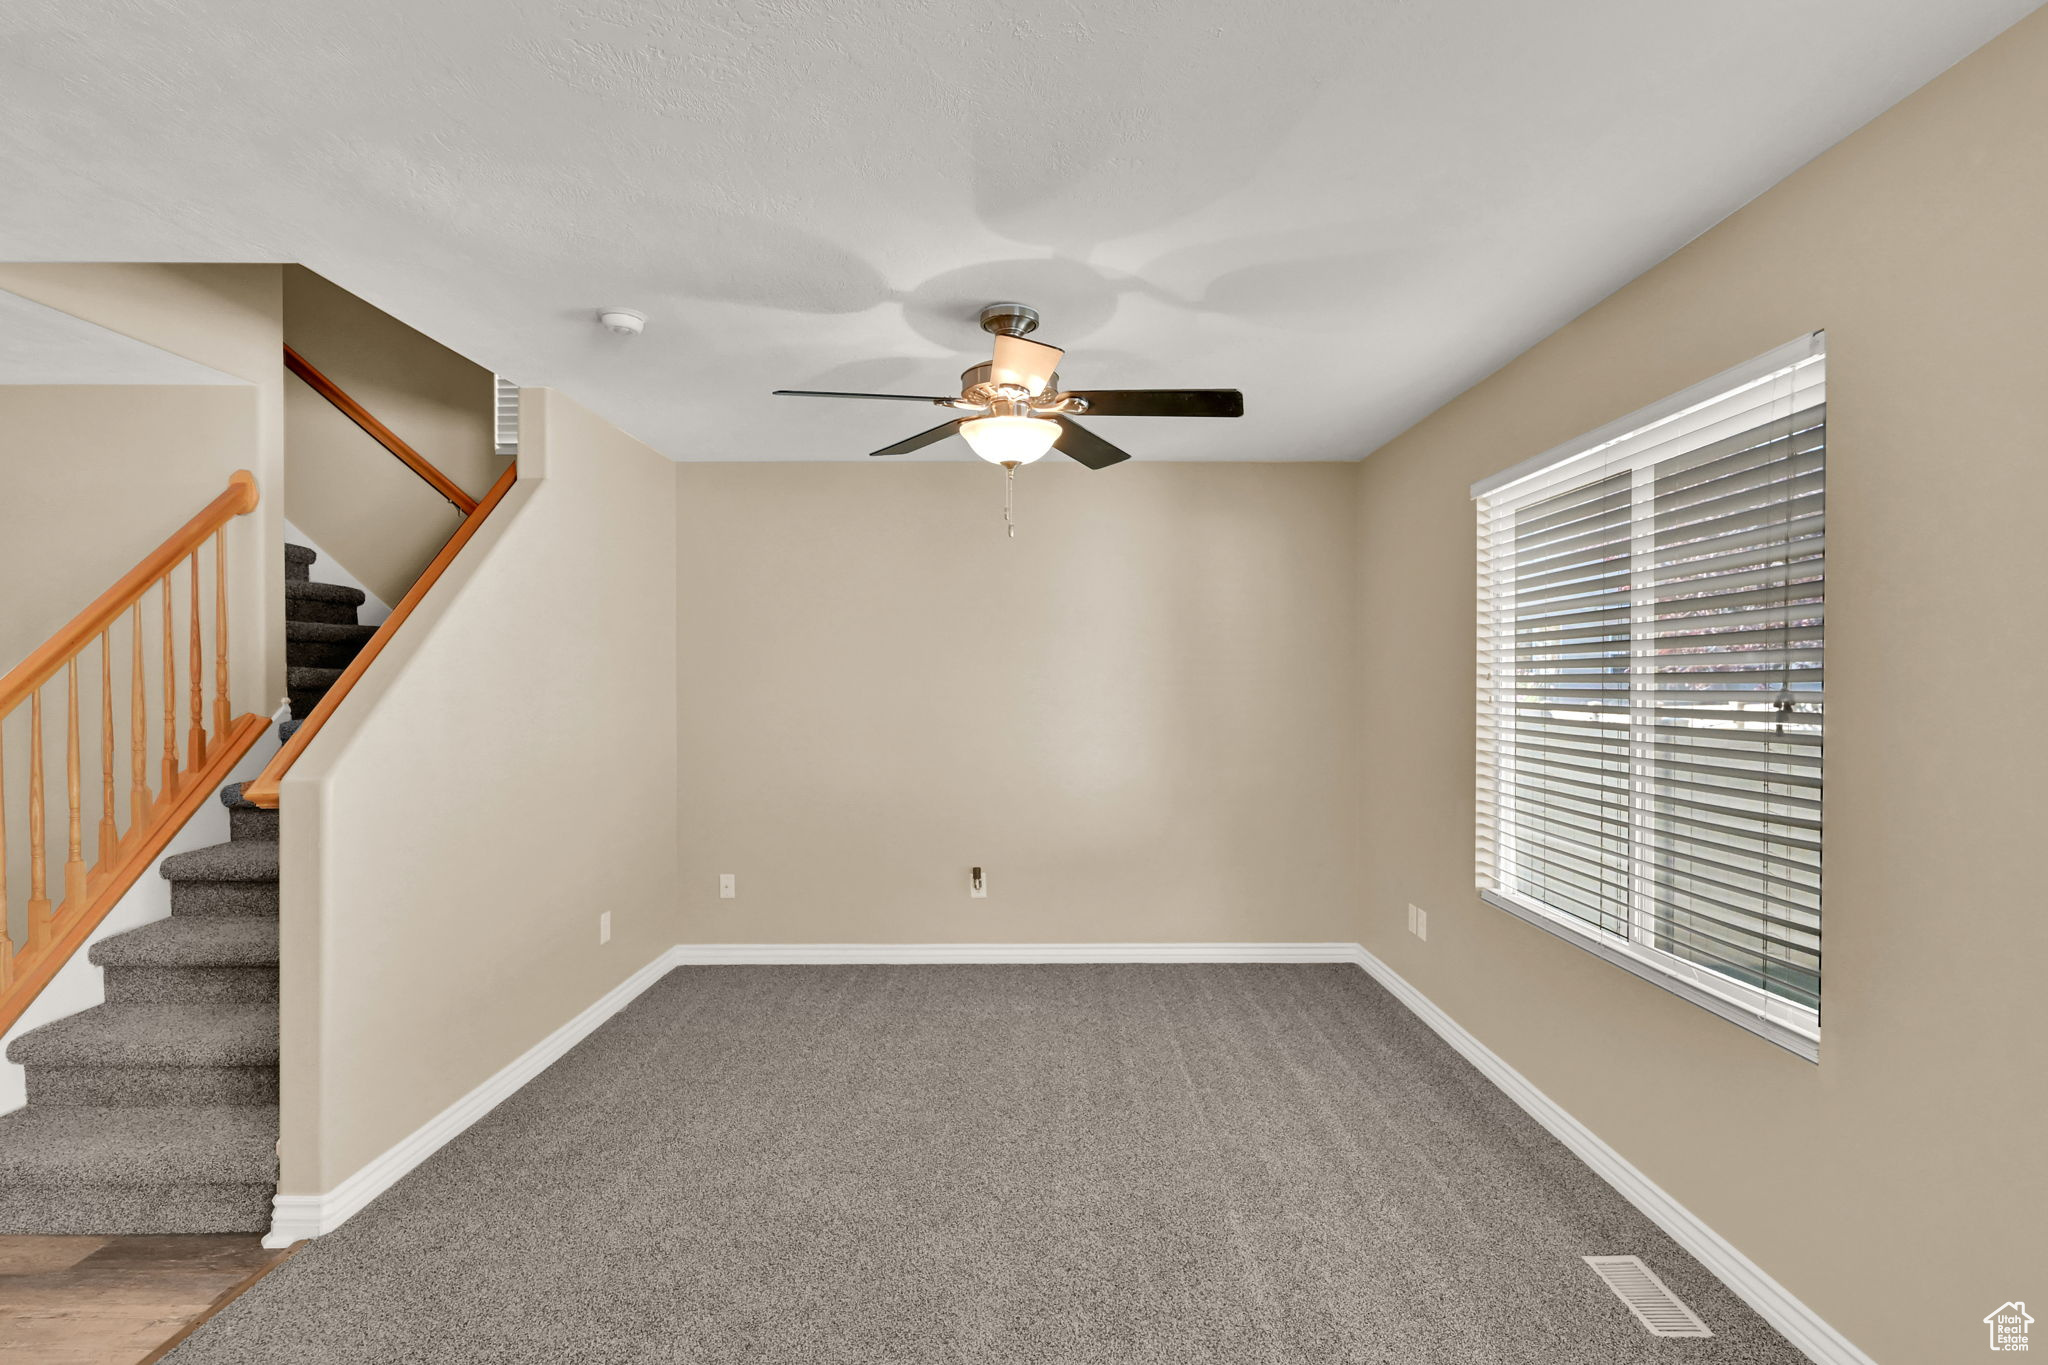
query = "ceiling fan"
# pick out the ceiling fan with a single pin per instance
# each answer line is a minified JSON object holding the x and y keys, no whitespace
{"x":1023,"y":413}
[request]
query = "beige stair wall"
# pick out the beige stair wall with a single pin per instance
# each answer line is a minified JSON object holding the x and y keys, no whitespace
{"x":505,"y":774}
{"x":364,"y":507}
{"x":93,"y":478}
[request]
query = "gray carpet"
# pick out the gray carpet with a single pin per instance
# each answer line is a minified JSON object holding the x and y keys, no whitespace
{"x":998,"y":1165}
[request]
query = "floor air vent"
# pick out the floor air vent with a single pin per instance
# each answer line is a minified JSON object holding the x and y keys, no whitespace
{"x":1656,"y":1307}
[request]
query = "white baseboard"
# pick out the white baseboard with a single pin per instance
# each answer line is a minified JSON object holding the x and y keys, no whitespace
{"x":294,"y":1217}
{"x":764,"y":954}
{"x":1775,"y":1304}
{"x":300,"y":1216}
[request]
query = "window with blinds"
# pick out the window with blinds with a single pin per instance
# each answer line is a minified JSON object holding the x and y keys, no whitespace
{"x":1651,"y":691}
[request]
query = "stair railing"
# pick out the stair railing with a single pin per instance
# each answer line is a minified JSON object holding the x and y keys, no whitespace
{"x":378,"y":432}
{"x":55,"y":929}
{"x":264,"y":790}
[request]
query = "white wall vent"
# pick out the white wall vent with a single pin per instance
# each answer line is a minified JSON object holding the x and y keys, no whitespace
{"x":1656,"y":1307}
{"x":505,"y":415}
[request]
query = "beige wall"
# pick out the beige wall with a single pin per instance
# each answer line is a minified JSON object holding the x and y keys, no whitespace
{"x":504,"y":774}
{"x":364,"y":508}
{"x":1135,"y":715}
{"x":229,"y":317}
{"x":92,"y":478}
{"x":1897,"y":1187}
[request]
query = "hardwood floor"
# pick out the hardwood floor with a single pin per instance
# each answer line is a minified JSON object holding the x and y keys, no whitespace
{"x":116,"y":1300}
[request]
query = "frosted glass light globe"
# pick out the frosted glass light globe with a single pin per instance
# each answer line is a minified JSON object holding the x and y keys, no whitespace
{"x":1010,"y":440}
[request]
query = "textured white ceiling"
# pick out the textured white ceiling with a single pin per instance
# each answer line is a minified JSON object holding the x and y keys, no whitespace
{"x":1350,"y":209}
{"x":40,"y":345}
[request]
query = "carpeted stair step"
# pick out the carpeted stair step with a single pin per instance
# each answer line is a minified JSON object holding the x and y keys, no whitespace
{"x":246,"y":820}
{"x":137,"y":1171}
{"x":307,"y":686}
{"x":322,"y":602}
{"x":135,"y":1211}
{"x":286,"y":729}
{"x":117,"y":1036}
{"x":123,"y":1055}
{"x":323,"y":644}
{"x":189,"y":959}
{"x":298,"y":562}
{"x":137,"y":1087}
{"x":235,"y":878}
{"x":221,"y":1145}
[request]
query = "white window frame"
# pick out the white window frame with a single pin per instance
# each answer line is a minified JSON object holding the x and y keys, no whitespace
{"x":1633,"y":442}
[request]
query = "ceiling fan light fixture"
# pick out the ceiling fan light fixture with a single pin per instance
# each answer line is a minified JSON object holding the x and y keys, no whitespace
{"x":1024,"y":410}
{"x":1010,"y":440}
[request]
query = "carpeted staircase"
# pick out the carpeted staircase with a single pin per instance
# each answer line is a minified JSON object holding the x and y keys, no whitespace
{"x":156,"y":1112}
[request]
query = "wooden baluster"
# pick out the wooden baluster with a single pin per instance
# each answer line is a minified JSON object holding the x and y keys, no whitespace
{"x":38,"y":887}
{"x":138,"y":732}
{"x":74,"y":861}
{"x":170,"y":785}
{"x":195,"y":742}
{"x":6,"y":942}
{"x":110,"y":835}
{"x":221,"y":708}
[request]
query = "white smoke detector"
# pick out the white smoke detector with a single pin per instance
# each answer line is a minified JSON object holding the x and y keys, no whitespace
{"x":626,"y":322}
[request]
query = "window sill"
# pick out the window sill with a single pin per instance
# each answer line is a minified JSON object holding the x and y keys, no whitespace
{"x":1796,"y":1040}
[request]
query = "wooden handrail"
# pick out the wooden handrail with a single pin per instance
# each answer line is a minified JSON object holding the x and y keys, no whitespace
{"x":57,"y":929}
{"x":264,"y":790}
{"x":378,"y":432}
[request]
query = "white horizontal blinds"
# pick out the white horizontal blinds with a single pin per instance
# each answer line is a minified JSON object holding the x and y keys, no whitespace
{"x":1567,"y":702}
{"x":505,"y":415}
{"x":1651,"y":685}
{"x":1733,"y":652}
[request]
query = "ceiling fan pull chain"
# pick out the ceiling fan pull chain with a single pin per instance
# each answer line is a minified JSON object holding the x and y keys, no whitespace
{"x":1010,"y":499}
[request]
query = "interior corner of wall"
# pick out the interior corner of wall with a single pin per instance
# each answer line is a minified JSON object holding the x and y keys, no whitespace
{"x":534,"y":408}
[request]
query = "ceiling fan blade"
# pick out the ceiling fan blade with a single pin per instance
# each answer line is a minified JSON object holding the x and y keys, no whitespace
{"x":1080,"y":444}
{"x":887,"y":397}
{"x":1027,"y":363}
{"x":919,"y":441}
{"x":1162,"y":402}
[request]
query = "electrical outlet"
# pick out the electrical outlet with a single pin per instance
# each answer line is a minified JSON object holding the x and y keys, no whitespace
{"x":1412,"y":913}
{"x":728,"y":886}
{"x":604,"y":927}
{"x":977,"y":885}
{"x":1422,"y":924}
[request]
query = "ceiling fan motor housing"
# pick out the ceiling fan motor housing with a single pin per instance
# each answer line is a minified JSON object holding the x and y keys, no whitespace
{"x":978,"y":389}
{"x":1009,"y":319}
